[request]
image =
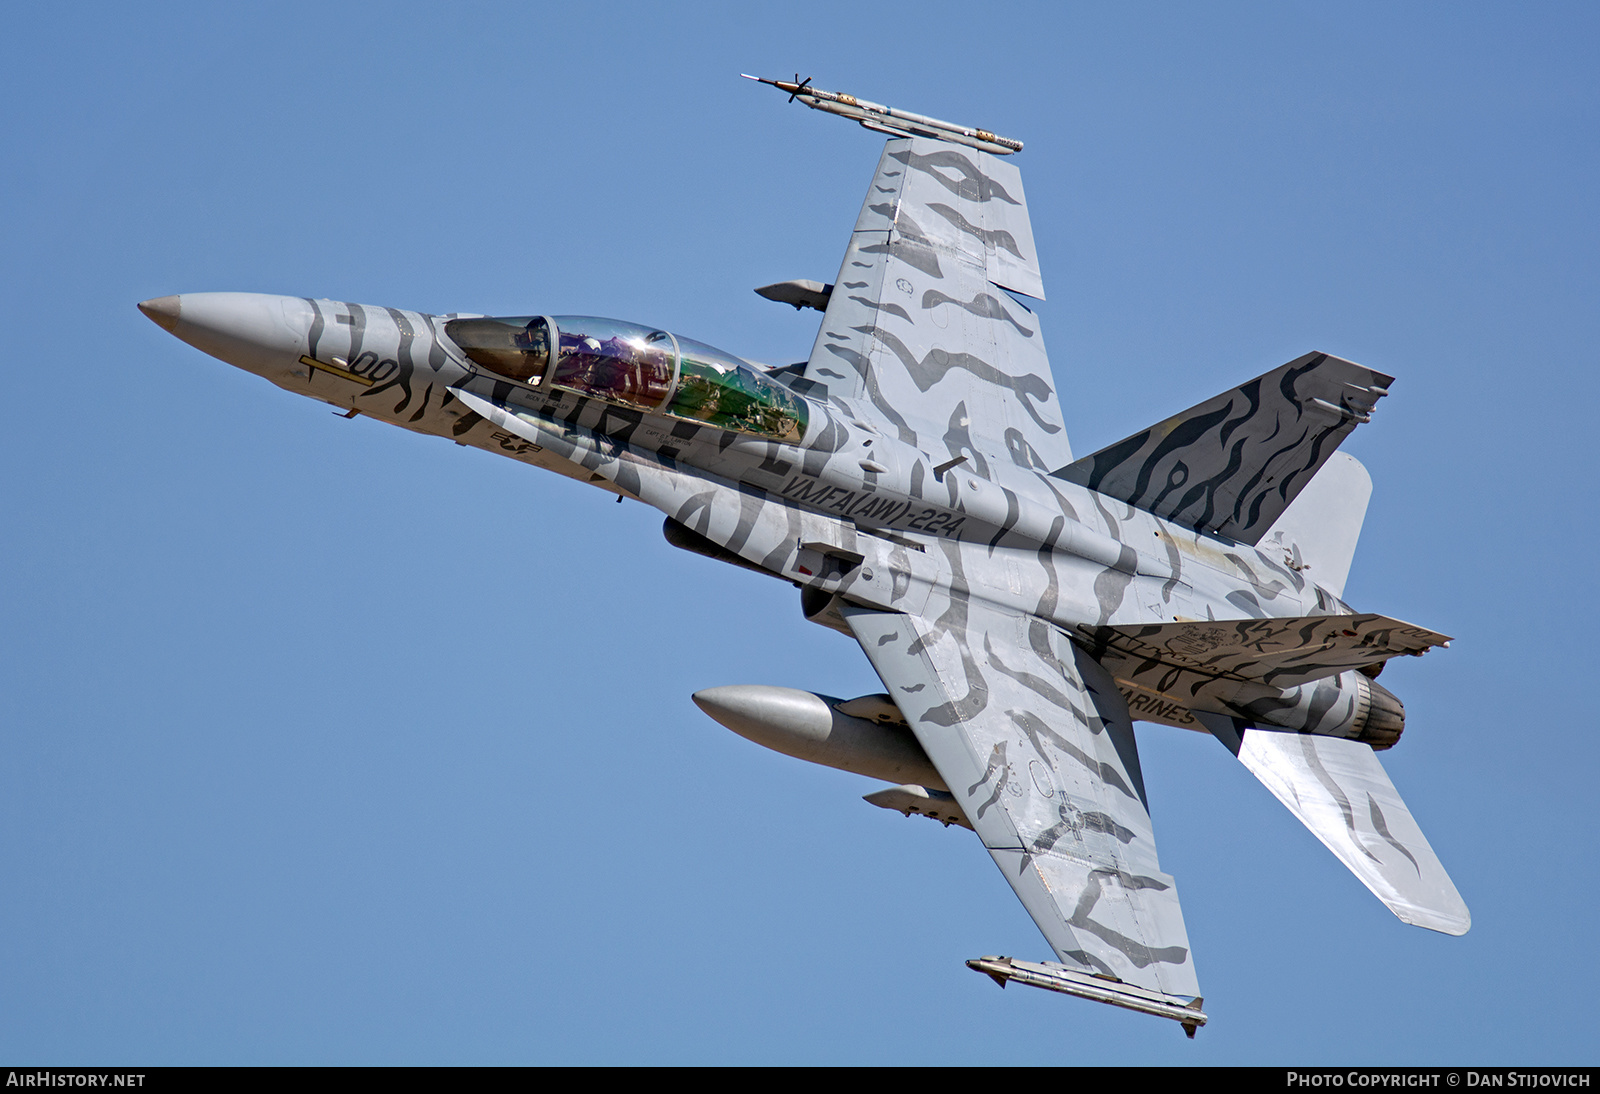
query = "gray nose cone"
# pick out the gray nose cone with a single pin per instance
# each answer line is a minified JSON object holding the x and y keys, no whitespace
{"x":256,"y":332}
{"x":163,"y":311}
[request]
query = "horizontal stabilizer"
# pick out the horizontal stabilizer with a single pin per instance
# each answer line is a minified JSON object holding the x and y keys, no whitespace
{"x":1339,"y":790}
{"x":1279,"y":652}
{"x":1232,"y":464}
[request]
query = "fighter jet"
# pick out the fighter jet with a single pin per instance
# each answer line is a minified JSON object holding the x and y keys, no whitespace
{"x":913,"y":480}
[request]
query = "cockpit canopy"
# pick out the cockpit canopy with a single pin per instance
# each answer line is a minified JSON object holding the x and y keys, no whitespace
{"x":634,"y":366}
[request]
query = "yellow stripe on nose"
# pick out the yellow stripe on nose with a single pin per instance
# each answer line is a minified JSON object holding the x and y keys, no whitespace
{"x":334,"y":370}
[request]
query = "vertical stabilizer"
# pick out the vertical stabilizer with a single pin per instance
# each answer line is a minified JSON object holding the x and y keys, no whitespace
{"x":1319,"y":530}
{"x":1235,"y":463}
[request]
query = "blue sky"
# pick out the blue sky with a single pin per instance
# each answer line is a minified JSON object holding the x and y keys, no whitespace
{"x":321,"y":742}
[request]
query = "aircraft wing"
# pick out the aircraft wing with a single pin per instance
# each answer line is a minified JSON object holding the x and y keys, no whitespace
{"x":1279,"y":652}
{"x":1033,"y":739}
{"x":919,"y":325}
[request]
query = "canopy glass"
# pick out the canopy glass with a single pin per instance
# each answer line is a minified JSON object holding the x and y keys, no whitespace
{"x":634,"y":366}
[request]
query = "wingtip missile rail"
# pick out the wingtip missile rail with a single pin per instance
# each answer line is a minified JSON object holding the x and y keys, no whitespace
{"x":887,"y":119}
{"x":1053,"y":977}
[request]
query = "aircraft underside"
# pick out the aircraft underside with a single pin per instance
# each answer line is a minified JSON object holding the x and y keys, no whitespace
{"x":913,"y":480}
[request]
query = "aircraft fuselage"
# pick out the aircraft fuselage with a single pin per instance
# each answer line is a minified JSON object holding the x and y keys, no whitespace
{"x":848,"y":511}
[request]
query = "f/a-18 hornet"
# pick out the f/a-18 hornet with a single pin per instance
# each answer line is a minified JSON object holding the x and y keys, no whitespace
{"x":913,"y":479}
